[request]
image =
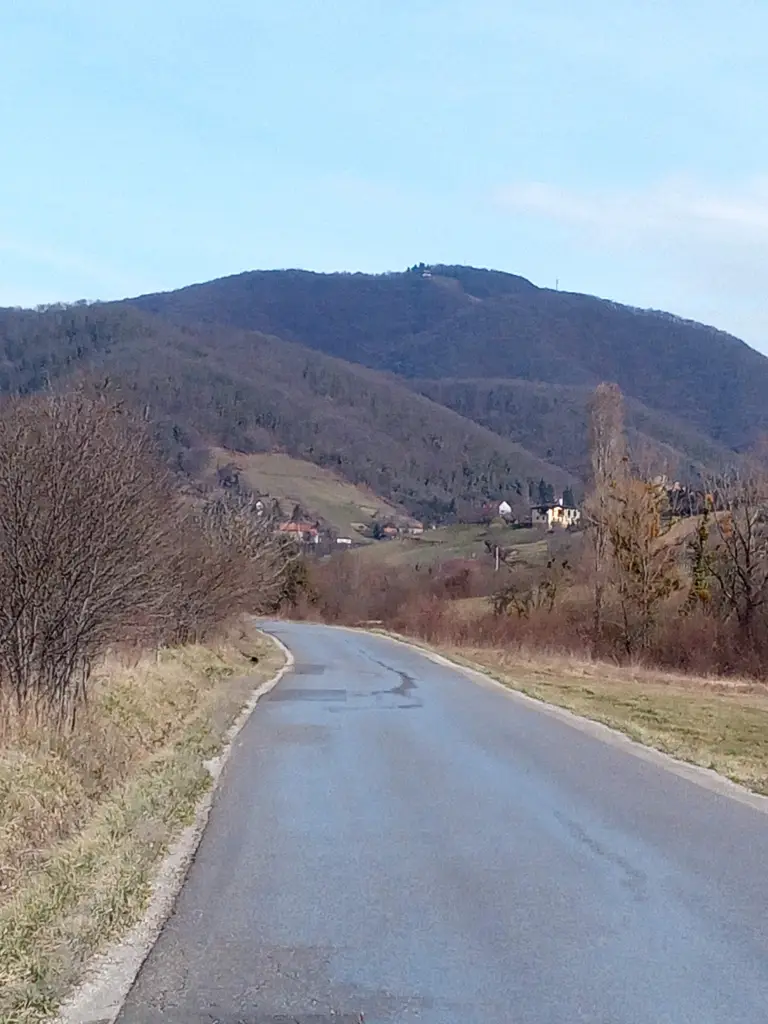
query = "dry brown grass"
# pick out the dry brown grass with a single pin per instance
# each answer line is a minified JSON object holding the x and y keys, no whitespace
{"x":716,"y":723}
{"x":84,"y":819}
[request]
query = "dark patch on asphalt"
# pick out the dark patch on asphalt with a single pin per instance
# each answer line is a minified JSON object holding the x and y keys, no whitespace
{"x":303,"y":734}
{"x":347,"y":708}
{"x":405,"y":689}
{"x":395,"y":698}
{"x":308,"y":670}
{"x":401,"y":696}
{"x":289,"y":694}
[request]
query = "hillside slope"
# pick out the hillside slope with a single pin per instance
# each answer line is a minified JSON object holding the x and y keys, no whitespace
{"x":251,"y":392}
{"x":551,"y":420}
{"x":346,"y":508}
{"x":461,"y":323}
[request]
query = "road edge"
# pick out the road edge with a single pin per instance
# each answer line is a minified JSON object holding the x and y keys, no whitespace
{"x":109,"y":976}
{"x":706,"y":778}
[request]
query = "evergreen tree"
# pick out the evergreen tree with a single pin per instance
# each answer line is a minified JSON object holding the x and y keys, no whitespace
{"x":546,"y":493}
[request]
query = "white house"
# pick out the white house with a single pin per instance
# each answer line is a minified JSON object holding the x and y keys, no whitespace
{"x":505,"y":509}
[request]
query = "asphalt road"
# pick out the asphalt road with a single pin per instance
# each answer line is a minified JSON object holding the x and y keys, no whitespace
{"x":393,"y":839}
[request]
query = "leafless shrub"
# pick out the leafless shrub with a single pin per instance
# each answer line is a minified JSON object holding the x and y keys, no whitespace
{"x":84,"y":522}
{"x":99,"y":549}
{"x":238,"y":526}
{"x":524,"y":593}
{"x":233,"y":558}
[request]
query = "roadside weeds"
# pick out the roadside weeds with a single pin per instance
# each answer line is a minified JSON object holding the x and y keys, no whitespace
{"x":85,"y":821}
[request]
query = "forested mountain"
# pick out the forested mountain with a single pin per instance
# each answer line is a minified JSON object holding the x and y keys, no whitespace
{"x":461,"y":323}
{"x":212,"y":385}
{"x":429,"y":386}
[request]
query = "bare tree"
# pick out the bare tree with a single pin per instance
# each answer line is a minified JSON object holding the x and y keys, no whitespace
{"x":608,"y":455}
{"x":739,"y":563}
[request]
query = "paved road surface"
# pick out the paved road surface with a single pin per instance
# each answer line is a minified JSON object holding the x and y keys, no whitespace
{"x":394,"y":839}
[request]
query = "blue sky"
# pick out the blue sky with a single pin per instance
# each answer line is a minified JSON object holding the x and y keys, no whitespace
{"x":618,"y":146}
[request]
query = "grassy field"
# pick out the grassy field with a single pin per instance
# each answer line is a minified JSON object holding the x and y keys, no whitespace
{"x":451,"y":542}
{"x":84,"y":820}
{"x":319,"y":491}
{"x":715,"y":723}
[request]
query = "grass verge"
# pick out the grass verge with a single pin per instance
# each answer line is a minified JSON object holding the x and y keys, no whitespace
{"x":715,"y":723}
{"x":84,"y":819}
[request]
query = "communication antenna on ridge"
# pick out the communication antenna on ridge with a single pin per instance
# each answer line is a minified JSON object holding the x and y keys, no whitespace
{"x":557,"y":284}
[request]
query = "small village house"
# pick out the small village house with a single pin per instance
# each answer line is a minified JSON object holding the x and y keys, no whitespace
{"x":554,"y":514}
{"x":304,"y":533}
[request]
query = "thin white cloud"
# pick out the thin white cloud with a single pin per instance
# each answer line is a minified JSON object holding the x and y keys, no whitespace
{"x":678,"y":244}
{"x":96,"y":277}
{"x":673,"y":205}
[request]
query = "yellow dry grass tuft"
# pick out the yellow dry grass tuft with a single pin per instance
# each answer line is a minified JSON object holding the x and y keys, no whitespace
{"x":84,"y":818}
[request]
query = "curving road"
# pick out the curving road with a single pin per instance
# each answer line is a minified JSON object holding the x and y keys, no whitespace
{"x":394,"y":839}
